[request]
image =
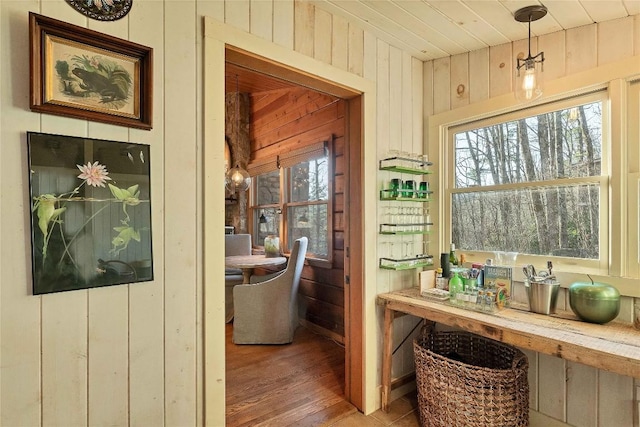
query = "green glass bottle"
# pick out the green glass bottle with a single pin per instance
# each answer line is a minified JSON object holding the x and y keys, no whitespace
{"x":453,"y":259}
{"x":455,"y":288}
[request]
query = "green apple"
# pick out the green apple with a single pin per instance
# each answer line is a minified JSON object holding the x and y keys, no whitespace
{"x":594,"y":302}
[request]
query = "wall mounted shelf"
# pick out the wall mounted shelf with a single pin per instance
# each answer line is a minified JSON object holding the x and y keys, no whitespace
{"x":406,"y":263}
{"x":411,"y":164}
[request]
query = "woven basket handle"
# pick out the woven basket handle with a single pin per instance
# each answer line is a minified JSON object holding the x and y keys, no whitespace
{"x":520,"y":361}
{"x":427,"y":328}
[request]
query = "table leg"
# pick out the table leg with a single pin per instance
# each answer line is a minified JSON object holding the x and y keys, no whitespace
{"x":246,"y":275}
{"x":387,"y":342}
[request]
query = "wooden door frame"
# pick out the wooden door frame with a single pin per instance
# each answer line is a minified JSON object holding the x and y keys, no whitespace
{"x":222,"y":43}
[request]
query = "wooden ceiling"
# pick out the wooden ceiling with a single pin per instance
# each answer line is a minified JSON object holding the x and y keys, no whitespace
{"x":249,"y":81}
{"x":431,"y":29}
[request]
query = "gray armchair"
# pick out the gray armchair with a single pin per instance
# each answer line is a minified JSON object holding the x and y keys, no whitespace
{"x":266,"y":312}
{"x":234,"y":244}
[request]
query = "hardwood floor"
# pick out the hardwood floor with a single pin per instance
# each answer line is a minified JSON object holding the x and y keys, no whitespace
{"x":297,"y":384}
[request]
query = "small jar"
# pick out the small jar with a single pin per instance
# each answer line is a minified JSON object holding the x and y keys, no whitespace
{"x":490,"y":302}
{"x":480,"y":300}
{"x":272,"y":246}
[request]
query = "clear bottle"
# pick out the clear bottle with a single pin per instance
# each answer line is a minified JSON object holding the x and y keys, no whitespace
{"x":490,"y":302}
{"x":480,"y":300}
{"x":455,"y":288}
{"x":440,"y":283}
{"x":453,"y":259}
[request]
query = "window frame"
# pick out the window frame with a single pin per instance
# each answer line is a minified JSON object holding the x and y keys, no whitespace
{"x":592,"y":266}
{"x":282,"y":207}
{"x":615,"y":77}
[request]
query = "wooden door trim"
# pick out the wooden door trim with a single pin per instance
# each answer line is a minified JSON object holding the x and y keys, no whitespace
{"x":354,"y":257}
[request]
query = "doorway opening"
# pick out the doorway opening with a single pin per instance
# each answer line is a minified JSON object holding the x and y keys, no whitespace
{"x":276,"y":84}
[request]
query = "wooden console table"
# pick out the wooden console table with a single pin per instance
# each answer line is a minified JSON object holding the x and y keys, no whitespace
{"x":613,"y":347}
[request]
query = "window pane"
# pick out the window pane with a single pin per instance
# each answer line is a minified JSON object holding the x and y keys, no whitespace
{"x":266,"y":223}
{"x":558,"y":221}
{"x":268,"y":188}
{"x":309,"y":221}
{"x":310,"y":180}
{"x":560,"y":144}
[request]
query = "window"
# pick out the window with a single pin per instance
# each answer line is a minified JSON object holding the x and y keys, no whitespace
{"x":293,"y":201}
{"x":532,"y":181}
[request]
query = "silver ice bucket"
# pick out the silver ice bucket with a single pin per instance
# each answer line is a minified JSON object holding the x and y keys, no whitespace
{"x":542,"y":295}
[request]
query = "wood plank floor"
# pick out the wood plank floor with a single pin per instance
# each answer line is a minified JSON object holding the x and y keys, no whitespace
{"x":299,"y":384}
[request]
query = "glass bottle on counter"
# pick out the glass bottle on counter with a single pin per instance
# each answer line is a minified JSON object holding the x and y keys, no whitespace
{"x":441,"y":282}
{"x":453,"y":259}
{"x":455,"y":288}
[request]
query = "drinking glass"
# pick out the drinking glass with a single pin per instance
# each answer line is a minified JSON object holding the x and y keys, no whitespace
{"x":408,"y":185}
{"x":424,"y":187}
{"x":396,"y":184}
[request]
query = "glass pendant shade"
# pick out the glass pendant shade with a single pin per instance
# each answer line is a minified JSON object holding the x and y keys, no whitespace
{"x":529,"y":80}
{"x":237,"y":179}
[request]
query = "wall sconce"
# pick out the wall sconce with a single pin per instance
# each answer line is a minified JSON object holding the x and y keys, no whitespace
{"x":529,"y":70}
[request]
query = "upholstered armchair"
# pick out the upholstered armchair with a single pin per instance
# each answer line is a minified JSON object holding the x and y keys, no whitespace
{"x":234,"y":244}
{"x":266,"y":310}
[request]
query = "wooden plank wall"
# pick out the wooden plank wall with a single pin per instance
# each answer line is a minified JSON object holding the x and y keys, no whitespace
{"x":566,"y":391}
{"x":284,"y":120}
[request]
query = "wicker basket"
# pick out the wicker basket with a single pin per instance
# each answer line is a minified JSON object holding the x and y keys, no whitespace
{"x":467,"y":380}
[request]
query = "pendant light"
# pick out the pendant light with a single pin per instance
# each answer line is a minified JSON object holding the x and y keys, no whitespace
{"x":237,"y":179}
{"x":529,"y":82}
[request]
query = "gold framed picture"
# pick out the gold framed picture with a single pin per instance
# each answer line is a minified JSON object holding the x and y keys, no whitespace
{"x":81,"y":73}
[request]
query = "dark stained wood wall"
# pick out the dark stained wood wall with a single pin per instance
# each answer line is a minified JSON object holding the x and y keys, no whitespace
{"x":284,"y":120}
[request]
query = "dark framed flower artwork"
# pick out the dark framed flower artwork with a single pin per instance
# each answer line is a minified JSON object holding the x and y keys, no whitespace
{"x":90,"y":212}
{"x":84,"y":74}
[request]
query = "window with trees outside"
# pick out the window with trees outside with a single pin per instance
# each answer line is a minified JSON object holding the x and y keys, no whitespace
{"x":293,"y":201}
{"x":532,"y":181}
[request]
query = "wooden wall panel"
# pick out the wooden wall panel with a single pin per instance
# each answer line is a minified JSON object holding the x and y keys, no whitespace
{"x":146,"y":300}
{"x":283,"y":16}
{"x":340,"y":42}
{"x":355,"y":51}
{"x":64,"y":385}
{"x":555,"y":56}
{"x":613,"y":40}
{"x":261,"y":21}
{"x":615,"y":400}
{"x":320,"y":133}
{"x":479,"y":75}
{"x":181,"y":213}
{"x":441,"y":90}
{"x":459,"y":80}
{"x":108,"y":371}
{"x":551,"y":389}
{"x":304,"y":24}
{"x":581,"y":44}
{"x":236,"y":13}
{"x":582,"y":381}
{"x":322,"y":32}
{"x":501,"y":70}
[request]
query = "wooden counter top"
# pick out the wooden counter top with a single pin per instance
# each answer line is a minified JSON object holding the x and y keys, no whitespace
{"x":613,"y":347}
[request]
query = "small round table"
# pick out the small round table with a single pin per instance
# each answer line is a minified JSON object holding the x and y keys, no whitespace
{"x":248,"y":262}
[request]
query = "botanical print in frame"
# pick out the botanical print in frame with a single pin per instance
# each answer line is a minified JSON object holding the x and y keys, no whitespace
{"x":81,"y":76}
{"x":77,"y":72}
{"x":90,"y":212}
